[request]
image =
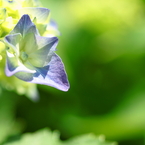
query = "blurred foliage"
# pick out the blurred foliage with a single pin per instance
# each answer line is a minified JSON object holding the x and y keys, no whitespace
{"x":46,"y":137}
{"x":8,"y":124}
{"x":102,"y":45}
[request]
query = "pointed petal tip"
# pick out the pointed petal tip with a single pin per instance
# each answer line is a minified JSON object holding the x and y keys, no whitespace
{"x":25,"y":16}
{"x":66,"y":88}
{"x":24,"y":26}
{"x":63,"y":87}
{"x":55,"y":39}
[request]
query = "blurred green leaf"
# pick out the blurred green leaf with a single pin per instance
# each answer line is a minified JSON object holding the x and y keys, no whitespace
{"x":8,"y":124}
{"x":42,"y":137}
{"x":88,"y":139}
{"x":46,"y":137}
{"x":127,"y":120}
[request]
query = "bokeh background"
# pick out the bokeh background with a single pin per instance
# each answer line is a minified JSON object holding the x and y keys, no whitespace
{"x":102,"y":45}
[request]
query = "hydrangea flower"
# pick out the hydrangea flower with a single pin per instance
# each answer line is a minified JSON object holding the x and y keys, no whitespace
{"x":31,"y":57}
{"x":27,"y":44}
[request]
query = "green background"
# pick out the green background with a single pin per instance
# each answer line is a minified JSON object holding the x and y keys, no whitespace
{"x":102,"y":45}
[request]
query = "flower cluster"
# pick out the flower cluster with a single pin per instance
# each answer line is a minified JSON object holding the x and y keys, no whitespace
{"x":12,"y":10}
{"x":28,"y":41}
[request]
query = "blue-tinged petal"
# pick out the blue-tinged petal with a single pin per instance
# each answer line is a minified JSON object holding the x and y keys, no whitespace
{"x":24,"y":26}
{"x":46,"y":47}
{"x":12,"y":41}
{"x":43,"y":42}
{"x":52,"y":74}
{"x":51,"y":29}
{"x":53,"y":24}
{"x":41,"y":15}
{"x":13,"y":65}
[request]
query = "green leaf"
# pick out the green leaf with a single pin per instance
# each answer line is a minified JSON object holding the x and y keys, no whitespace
{"x":8,"y":125}
{"x":46,"y":137}
{"x":89,"y":139}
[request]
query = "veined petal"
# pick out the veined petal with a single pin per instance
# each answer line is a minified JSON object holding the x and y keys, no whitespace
{"x":12,"y":41}
{"x":52,"y":74}
{"x":13,"y":65}
{"x":46,"y":47}
{"x":25,"y":26}
{"x":41,"y":15}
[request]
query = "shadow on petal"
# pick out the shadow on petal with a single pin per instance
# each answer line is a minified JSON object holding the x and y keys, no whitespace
{"x":28,"y":77}
{"x":42,"y":71}
{"x":52,"y":74}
